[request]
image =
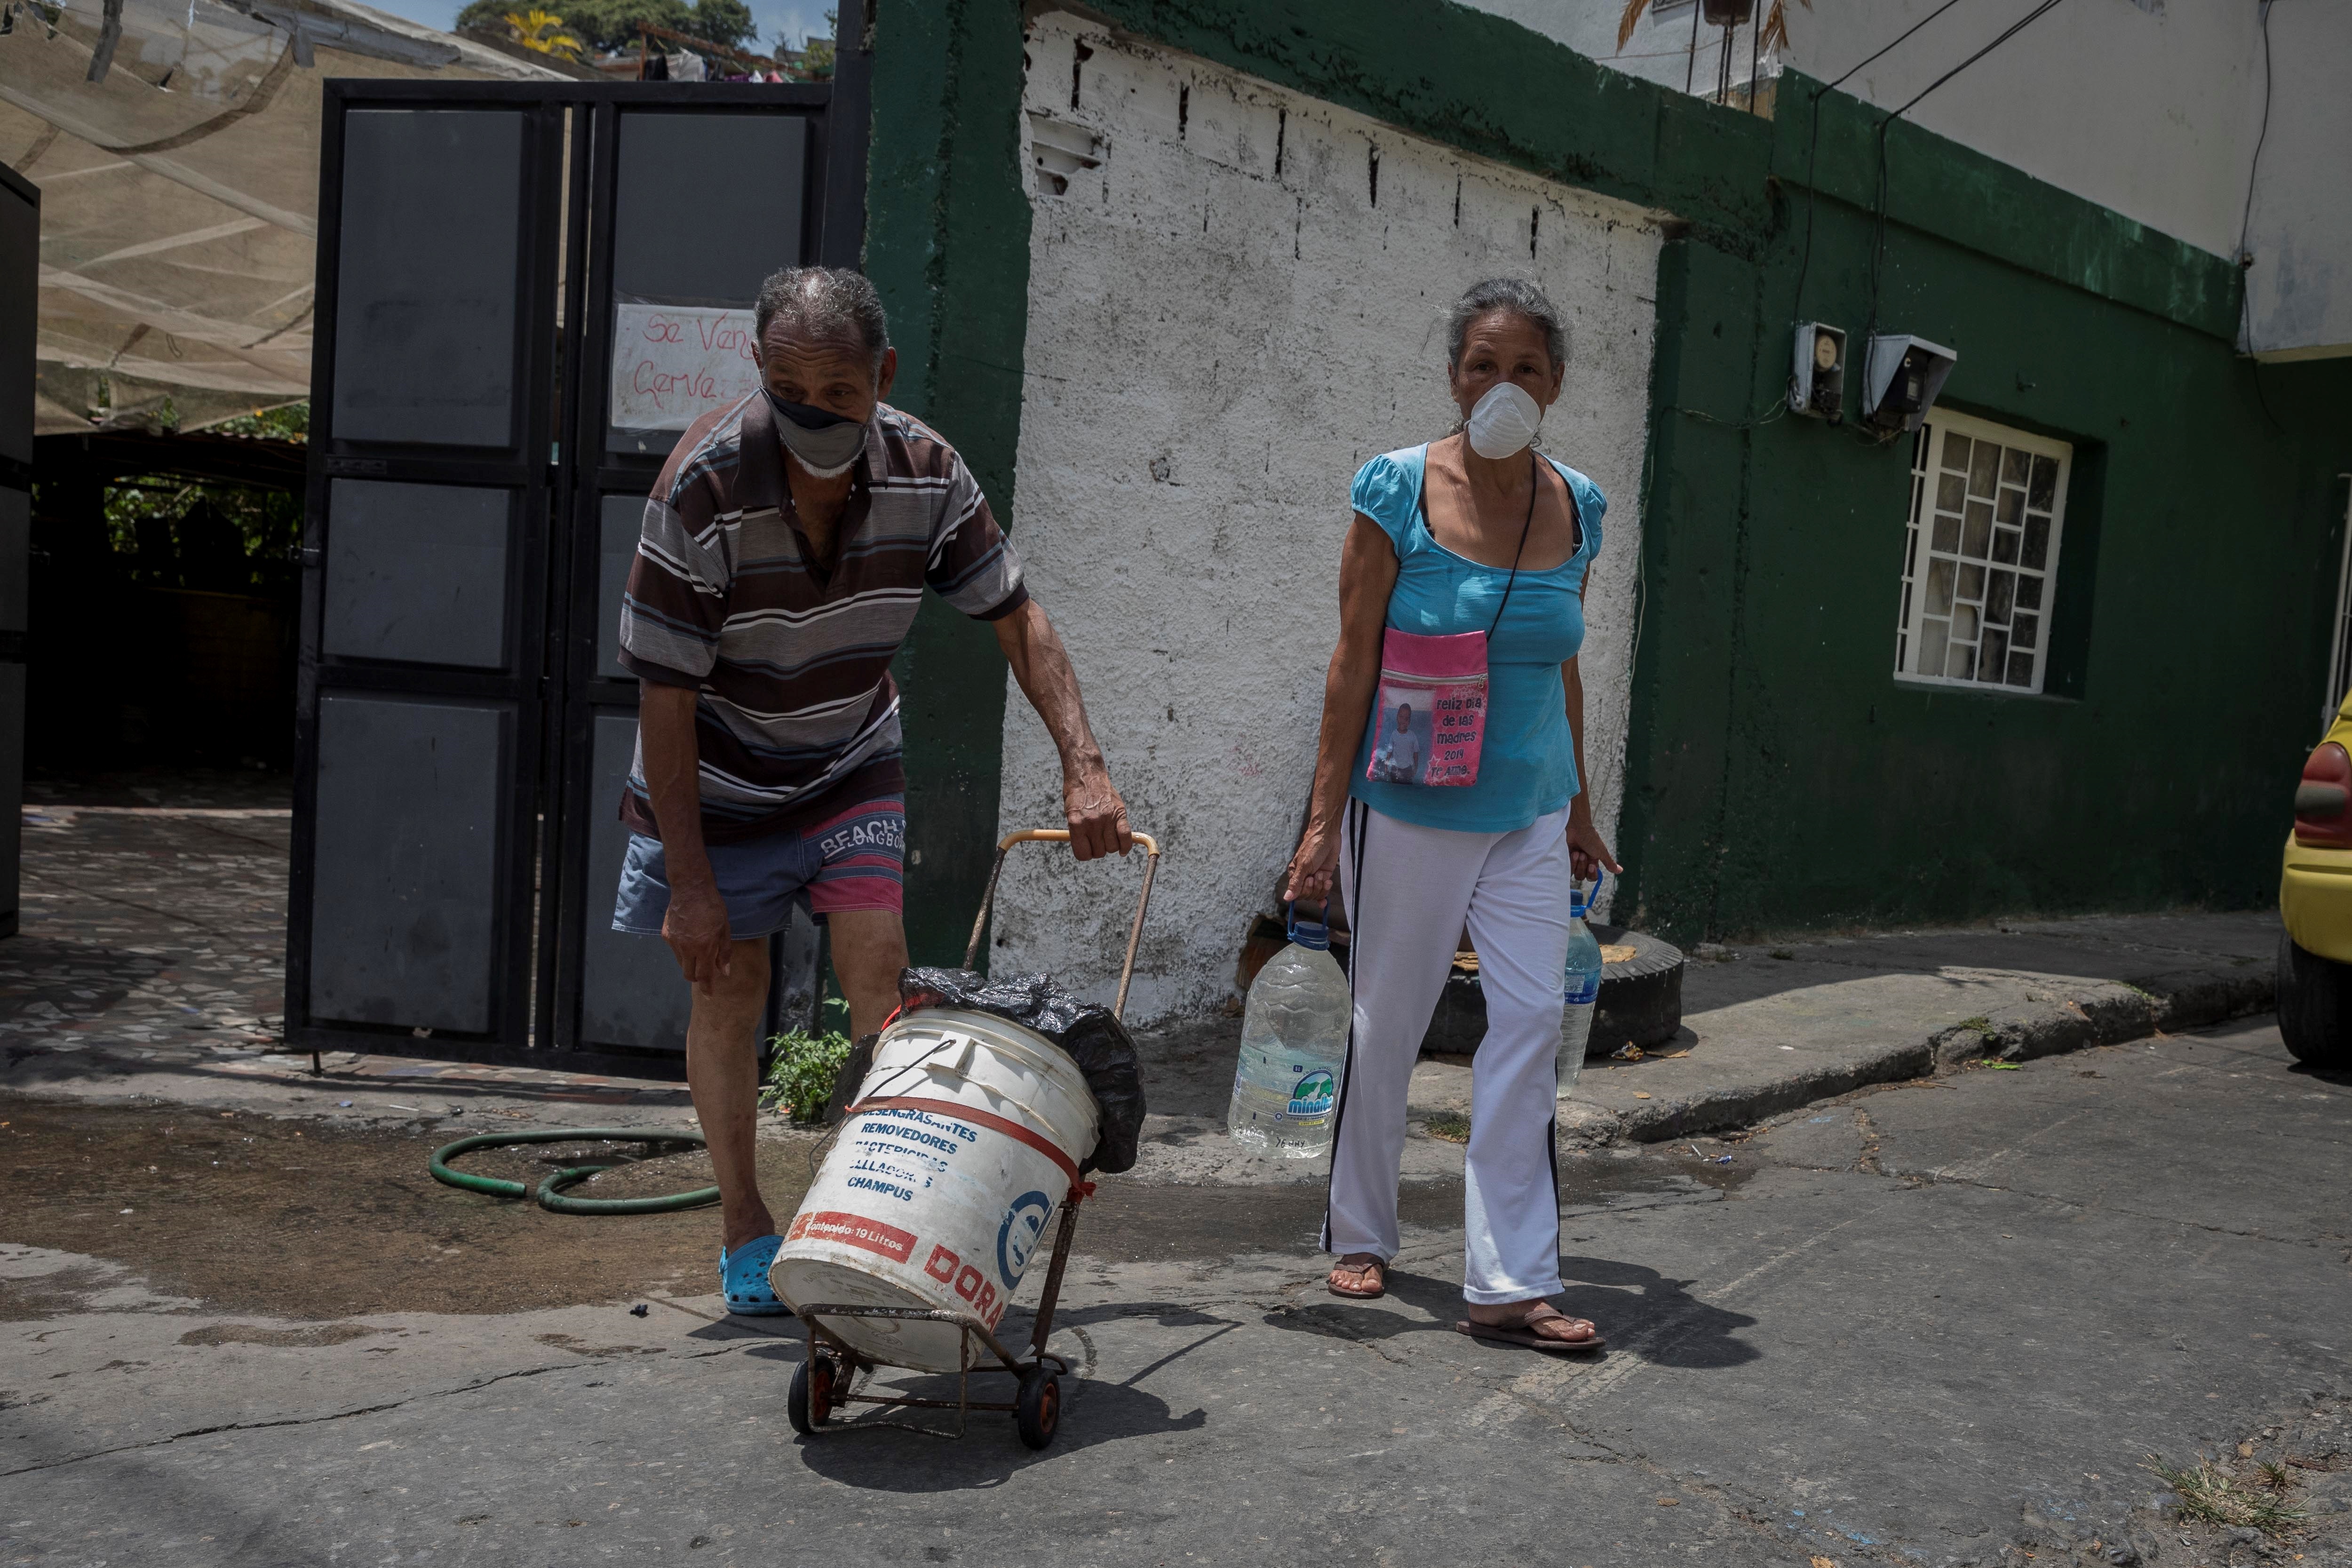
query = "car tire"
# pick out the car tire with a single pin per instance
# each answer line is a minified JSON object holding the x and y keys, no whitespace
{"x":2315,"y":1007}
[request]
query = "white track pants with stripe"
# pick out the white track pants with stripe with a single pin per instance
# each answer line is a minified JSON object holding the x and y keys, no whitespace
{"x":1408,"y":892}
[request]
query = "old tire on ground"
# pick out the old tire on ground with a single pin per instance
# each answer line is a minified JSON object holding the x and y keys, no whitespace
{"x":2315,"y":1007}
{"x":1641,"y":997}
{"x":1037,"y":1407}
{"x":1641,"y":1000}
{"x":810,"y":1402}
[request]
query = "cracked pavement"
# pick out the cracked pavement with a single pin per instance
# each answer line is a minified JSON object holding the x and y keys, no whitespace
{"x":1942,"y":1322}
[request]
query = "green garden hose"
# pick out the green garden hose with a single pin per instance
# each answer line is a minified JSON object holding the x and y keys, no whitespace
{"x":550,"y":1192}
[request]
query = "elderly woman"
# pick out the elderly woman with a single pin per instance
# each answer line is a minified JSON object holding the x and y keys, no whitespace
{"x":1469,"y":550}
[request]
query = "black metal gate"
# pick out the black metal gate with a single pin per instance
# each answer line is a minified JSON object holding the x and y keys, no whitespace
{"x":520,"y":287}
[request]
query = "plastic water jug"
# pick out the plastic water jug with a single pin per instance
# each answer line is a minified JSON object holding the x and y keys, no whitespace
{"x":1294,"y":1049}
{"x":1582,"y":988}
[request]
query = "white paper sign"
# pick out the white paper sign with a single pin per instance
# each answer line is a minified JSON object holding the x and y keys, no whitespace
{"x":671,"y":365}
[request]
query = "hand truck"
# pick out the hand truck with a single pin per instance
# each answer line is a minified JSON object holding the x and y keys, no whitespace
{"x":827,"y":1378}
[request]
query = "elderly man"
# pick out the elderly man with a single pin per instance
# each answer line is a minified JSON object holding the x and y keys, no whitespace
{"x":786,"y":551}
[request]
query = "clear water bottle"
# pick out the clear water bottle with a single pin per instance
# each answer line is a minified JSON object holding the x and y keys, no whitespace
{"x":1294,"y":1048}
{"x":1583,"y":985}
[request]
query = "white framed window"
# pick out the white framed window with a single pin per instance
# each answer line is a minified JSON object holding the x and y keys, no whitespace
{"x":1980,"y":555}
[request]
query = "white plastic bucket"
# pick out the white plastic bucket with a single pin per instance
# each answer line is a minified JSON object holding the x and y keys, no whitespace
{"x":939,"y":1197}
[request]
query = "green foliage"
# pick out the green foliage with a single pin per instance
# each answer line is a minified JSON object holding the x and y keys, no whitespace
{"x":816,"y":53}
{"x":611,"y":25}
{"x":485,"y":14}
{"x":725,"y":22}
{"x":801,"y":1075}
{"x":180,"y":535}
{"x":288,"y":422}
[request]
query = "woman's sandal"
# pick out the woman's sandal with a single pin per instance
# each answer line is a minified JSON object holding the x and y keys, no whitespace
{"x":1518,"y":1334}
{"x":1374,"y":1273}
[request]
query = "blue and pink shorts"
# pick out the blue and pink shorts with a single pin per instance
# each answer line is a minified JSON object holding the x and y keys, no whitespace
{"x":853,"y":860}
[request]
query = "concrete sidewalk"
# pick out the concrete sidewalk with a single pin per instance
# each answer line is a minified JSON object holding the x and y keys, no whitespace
{"x":1770,"y":1028}
{"x":152,"y":951}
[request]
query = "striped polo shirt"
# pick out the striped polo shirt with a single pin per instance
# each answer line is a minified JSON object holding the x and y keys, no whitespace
{"x":798,"y":716}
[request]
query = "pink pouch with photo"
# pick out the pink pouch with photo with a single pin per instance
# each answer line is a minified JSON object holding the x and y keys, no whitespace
{"x":1430,"y":717}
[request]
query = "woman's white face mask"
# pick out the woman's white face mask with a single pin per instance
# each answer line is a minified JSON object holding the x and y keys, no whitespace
{"x":1503,"y":421}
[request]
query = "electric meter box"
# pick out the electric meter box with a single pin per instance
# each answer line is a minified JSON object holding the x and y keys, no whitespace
{"x":1817,"y":378}
{"x":1905,"y":375}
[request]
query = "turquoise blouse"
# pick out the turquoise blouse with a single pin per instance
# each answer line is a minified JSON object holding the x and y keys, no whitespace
{"x":1526,"y":765}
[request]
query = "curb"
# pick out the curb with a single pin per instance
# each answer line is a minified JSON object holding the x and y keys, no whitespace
{"x":2111,"y":1014}
{"x":2099,"y":1013}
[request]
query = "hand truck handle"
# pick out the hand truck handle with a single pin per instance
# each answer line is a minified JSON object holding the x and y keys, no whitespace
{"x":1062,"y":835}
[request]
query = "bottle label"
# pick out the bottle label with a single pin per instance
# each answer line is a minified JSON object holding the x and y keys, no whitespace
{"x":1311,"y":1099}
{"x":1583,"y":989}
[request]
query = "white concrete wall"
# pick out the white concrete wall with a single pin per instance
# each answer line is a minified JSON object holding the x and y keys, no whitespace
{"x":2146,"y":107}
{"x":1663,"y":48}
{"x":2143,"y":106}
{"x":2299,"y":290}
{"x":2152,"y":108}
{"x":1214,"y":345}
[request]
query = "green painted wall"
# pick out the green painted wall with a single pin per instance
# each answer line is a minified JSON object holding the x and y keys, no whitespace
{"x":947,"y":244}
{"x":1778,"y":775}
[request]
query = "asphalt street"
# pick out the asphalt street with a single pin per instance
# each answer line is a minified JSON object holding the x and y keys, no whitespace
{"x":1940,"y":1322}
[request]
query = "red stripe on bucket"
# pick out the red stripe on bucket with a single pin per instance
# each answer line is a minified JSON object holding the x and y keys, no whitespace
{"x":856,"y":1230}
{"x":994,"y":1123}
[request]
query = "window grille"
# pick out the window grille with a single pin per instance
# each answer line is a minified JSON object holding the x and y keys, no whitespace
{"x":1980,"y":555}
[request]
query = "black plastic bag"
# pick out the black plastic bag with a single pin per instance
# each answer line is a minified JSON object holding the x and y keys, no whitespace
{"x":1090,"y":1036}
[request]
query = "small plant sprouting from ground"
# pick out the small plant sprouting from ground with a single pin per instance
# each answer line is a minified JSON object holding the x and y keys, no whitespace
{"x":1450,"y":1125}
{"x":801,"y":1073}
{"x":2273,"y":1476}
{"x":2212,"y":1494}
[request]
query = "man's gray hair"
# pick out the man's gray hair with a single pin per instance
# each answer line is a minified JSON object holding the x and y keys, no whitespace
{"x":829,"y":304}
{"x":1516,"y":294}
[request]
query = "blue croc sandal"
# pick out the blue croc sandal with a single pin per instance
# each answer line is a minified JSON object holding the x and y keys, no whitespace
{"x":743,"y":1279}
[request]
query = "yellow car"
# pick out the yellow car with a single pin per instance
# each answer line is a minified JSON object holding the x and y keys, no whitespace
{"x":2314,"y":956}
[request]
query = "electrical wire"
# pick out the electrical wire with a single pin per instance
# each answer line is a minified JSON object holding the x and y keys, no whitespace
{"x":1878,"y":237}
{"x":2246,"y":216}
{"x":2245,"y":228}
{"x":1813,"y":142}
{"x":1764,"y":415}
{"x":2012,"y":31}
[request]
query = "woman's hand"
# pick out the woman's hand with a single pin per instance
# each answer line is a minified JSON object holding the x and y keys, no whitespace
{"x":1314,"y":866}
{"x":1586,"y":849}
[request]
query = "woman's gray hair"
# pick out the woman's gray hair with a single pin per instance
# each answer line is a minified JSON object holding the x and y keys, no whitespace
{"x":825,"y":303}
{"x":1516,"y":294}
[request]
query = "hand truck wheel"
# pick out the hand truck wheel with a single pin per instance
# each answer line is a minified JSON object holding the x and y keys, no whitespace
{"x":1037,"y":1407}
{"x":811,"y":1399}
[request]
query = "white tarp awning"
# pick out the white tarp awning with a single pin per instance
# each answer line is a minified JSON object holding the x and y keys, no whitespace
{"x":175,"y":144}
